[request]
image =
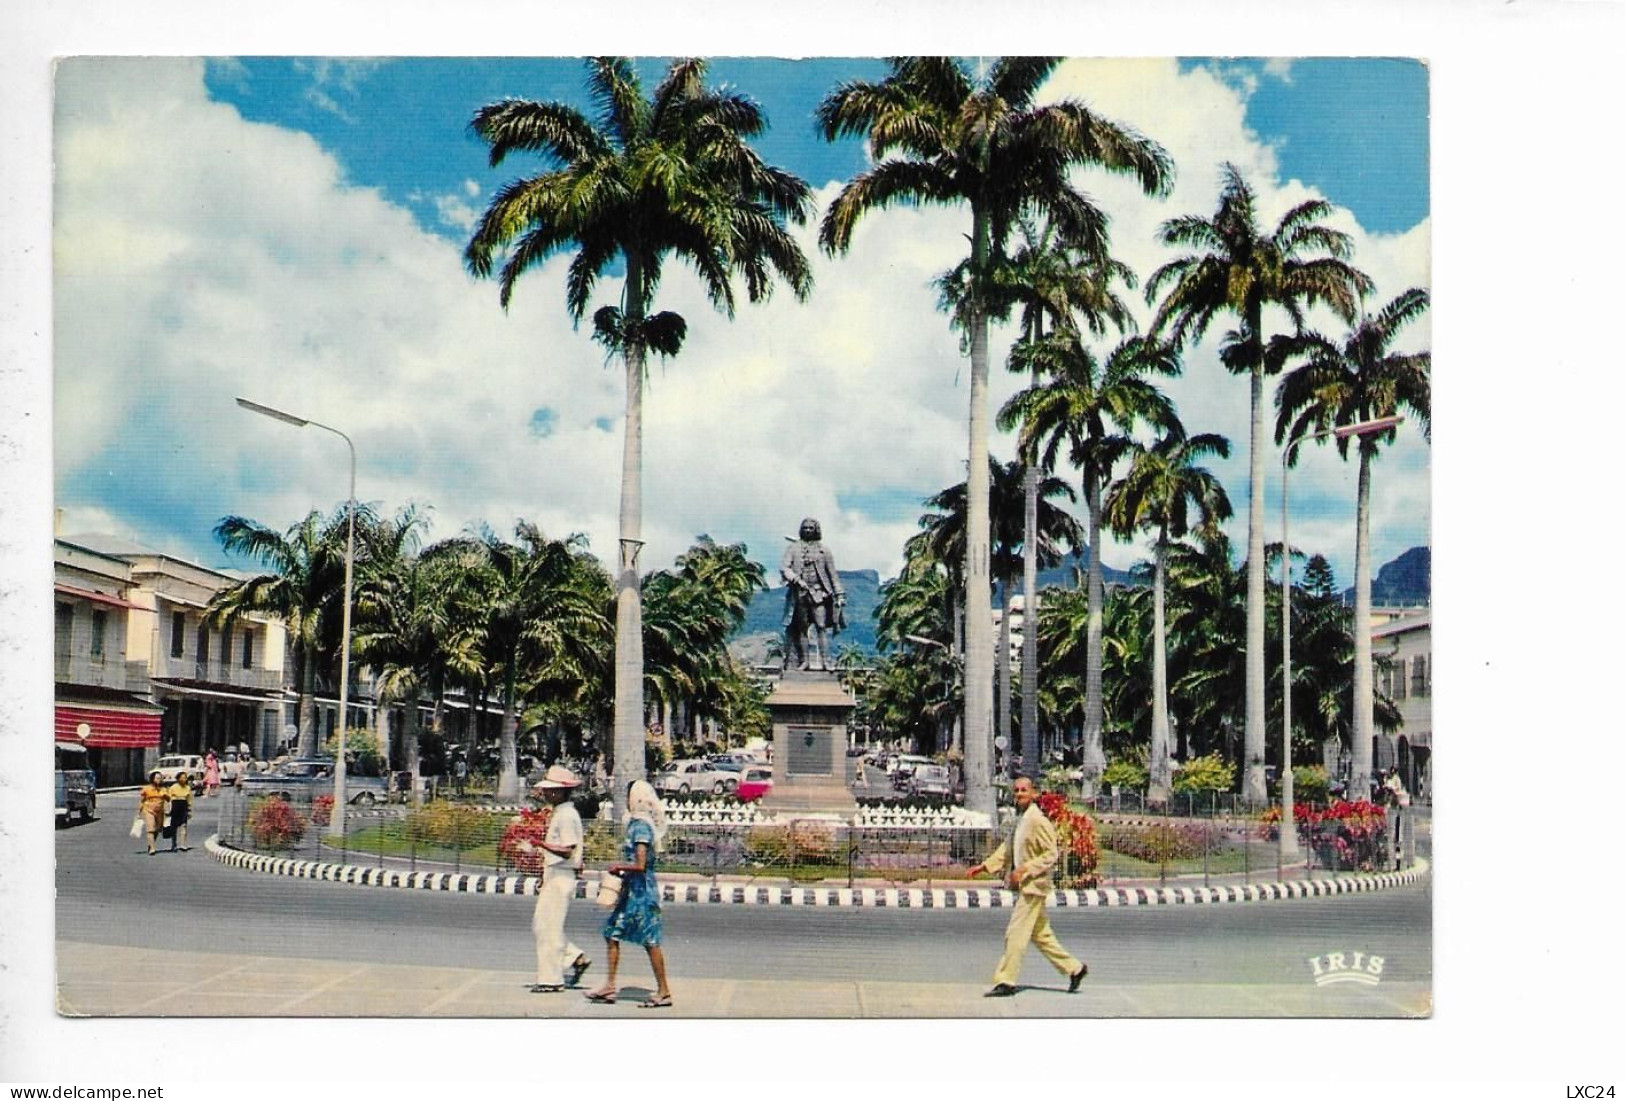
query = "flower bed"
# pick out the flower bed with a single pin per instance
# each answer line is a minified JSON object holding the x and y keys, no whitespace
{"x":1080,"y":853}
{"x":1346,"y":836}
{"x":275,"y":825}
{"x":521,"y":843}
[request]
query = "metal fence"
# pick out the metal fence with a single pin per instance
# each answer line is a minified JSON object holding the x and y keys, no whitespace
{"x":1159,"y":846}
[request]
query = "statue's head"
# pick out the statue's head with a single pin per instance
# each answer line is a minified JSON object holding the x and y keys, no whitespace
{"x":810,"y":529}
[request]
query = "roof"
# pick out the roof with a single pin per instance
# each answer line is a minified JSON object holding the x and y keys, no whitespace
{"x":1419,"y":621}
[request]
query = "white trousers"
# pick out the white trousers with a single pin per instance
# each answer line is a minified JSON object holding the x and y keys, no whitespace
{"x":553,"y":952}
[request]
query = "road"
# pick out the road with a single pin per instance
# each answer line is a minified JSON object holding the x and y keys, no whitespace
{"x":1240,"y":959}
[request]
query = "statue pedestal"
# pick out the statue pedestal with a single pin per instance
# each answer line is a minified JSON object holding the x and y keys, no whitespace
{"x":809,"y":712}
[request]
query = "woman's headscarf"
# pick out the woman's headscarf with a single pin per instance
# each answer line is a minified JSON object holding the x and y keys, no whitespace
{"x":643,"y":803}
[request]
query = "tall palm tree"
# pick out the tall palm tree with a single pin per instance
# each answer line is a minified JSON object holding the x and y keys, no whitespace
{"x":1358,"y":380}
{"x":1055,"y":527}
{"x":1093,"y":409}
{"x":1053,"y":285}
{"x":1166,"y":493}
{"x":1236,"y":268}
{"x":303,"y":585}
{"x":670,"y":175}
{"x":942,"y":134}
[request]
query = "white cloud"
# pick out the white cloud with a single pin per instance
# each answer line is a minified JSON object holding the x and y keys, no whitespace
{"x":201,"y":257}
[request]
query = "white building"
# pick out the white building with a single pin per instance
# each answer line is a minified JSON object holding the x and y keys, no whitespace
{"x":1406,"y":677}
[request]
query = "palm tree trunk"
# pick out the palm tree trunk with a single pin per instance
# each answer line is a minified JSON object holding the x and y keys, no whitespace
{"x":959,"y":665}
{"x":1030,"y":741}
{"x":1003,"y":667}
{"x":1254,"y":789}
{"x":508,"y":760}
{"x":1161,"y":774}
{"x":413,"y":733}
{"x":307,"y":702}
{"x":978,"y":591}
{"x":629,"y":733}
{"x":1363,"y":726}
{"x":1094,"y":709}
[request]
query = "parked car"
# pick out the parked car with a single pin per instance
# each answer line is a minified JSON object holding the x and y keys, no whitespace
{"x":906,"y":763}
{"x":172,"y":765}
{"x":75,"y":784}
{"x":682,"y":777}
{"x":312,"y":777}
{"x":756,"y":782}
{"x":933,"y":780}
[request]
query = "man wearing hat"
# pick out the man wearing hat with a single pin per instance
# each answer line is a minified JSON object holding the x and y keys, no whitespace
{"x":561,"y":864}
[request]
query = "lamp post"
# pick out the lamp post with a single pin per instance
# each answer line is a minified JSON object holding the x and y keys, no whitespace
{"x":336,"y":822}
{"x":1289,"y":826}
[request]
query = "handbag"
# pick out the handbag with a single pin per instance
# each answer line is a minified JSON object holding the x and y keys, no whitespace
{"x":137,"y":827}
{"x":609,"y":890}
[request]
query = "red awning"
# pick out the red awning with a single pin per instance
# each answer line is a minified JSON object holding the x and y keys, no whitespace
{"x":93,"y":595}
{"x":110,"y":728}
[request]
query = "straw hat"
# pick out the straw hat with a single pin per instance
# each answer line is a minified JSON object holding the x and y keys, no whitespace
{"x":559,"y":777}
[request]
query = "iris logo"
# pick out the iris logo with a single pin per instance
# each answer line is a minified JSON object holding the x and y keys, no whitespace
{"x":1340,"y":967}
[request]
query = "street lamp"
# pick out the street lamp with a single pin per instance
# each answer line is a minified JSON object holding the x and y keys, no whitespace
{"x":1289,"y":826}
{"x":336,"y":821}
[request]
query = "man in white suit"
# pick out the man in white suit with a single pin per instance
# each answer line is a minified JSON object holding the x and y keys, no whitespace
{"x":1036,"y":850}
{"x":562,"y":861}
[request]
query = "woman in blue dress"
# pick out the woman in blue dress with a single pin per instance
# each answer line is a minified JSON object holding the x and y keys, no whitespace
{"x":636,"y":917}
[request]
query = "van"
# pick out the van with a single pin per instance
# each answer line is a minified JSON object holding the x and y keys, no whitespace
{"x":75,"y":783}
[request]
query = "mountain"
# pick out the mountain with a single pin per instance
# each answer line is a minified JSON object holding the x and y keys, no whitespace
{"x":1404,"y":582}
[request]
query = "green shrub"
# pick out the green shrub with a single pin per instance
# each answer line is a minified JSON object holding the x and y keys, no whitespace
{"x":806,"y":842}
{"x":1210,"y":773}
{"x":1125,"y":773}
{"x":453,"y":825}
{"x":1310,"y":784}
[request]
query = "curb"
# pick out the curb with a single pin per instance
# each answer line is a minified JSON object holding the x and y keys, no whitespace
{"x":856,"y":898}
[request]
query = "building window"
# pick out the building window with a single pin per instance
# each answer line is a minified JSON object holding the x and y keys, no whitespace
{"x":98,"y":633}
{"x":248,"y":649}
{"x":64,"y":630}
{"x":1419,"y":676}
{"x":1399,"y":679}
{"x":177,"y":634}
{"x":203,"y":644}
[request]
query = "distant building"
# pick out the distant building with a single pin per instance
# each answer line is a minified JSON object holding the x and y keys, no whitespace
{"x":100,"y":692}
{"x":1405,"y":639}
{"x":213,"y":687}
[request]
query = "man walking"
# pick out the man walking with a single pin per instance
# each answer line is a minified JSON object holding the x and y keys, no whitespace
{"x":1035,"y":850}
{"x":561,"y":864}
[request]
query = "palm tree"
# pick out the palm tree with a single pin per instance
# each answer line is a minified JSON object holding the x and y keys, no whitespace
{"x":671,"y":175}
{"x":948,"y":524}
{"x":1093,"y":409}
{"x":1360,"y":380}
{"x":1240,"y":270}
{"x":1167,"y":494}
{"x":303,"y":586}
{"x":940,"y":134}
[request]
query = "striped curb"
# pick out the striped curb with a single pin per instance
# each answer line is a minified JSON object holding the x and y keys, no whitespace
{"x":856,"y":898}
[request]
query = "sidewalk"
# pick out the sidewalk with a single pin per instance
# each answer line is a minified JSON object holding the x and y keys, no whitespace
{"x":100,"y":980}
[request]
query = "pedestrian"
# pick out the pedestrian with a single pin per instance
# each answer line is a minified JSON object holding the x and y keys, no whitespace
{"x":1035,"y":849}
{"x":459,"y":772}
{"x":151,"y":809}
{"x":211,"y":774}
{"x":636,"y":917}
{"x":562,"y":851}
{"x":180,"y":812}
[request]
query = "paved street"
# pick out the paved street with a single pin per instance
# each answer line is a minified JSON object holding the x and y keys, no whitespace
{"x":214,"y":940}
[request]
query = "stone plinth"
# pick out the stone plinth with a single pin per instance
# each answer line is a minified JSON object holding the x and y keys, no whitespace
{"x":809,"y":712}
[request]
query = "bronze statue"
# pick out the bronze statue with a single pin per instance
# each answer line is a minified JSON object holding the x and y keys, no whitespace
{"x":814,"y":599}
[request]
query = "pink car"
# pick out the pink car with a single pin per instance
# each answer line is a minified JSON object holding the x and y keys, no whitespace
{"x":755,"y":782}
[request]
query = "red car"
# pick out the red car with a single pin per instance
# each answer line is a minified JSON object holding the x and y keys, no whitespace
{"x":755,"y":782}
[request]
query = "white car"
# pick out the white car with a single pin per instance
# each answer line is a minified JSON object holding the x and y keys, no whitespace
{"x":682,"y":777}
{"x":172,"y":765}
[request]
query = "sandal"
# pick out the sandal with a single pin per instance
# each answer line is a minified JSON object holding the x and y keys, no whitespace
{"x":656,"y":1001}
{"x":603,"y":996}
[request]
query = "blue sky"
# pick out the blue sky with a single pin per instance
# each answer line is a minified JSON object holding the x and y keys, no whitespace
{"x":289,"y":229}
